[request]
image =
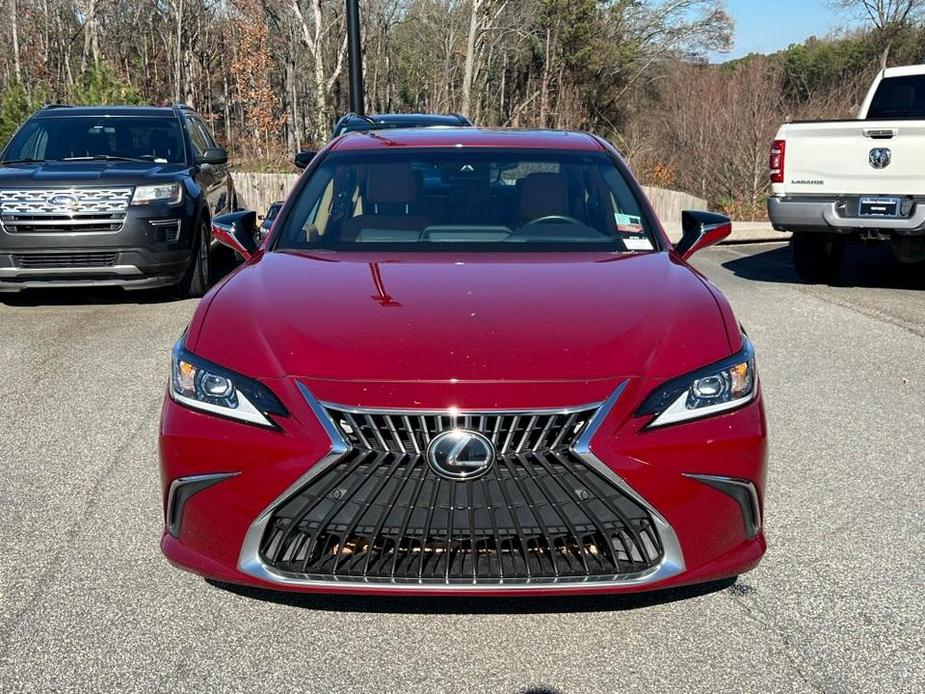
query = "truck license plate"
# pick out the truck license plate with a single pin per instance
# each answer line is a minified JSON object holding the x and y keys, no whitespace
{"x":879,"y":207}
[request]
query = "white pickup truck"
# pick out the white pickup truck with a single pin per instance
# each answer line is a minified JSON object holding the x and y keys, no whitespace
{"x":860,"y":180}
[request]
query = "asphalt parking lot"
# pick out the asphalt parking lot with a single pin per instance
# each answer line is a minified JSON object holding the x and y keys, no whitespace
{"x":87,"y":603}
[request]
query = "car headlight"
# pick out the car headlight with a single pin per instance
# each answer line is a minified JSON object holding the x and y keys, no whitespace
{"x":199,"y":384}
{"x":165,"y":193}
{"x":722,"y":386}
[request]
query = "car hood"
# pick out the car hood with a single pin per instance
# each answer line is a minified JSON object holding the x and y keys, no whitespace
{"x":63,"y":173}
{"x":423,"y":317}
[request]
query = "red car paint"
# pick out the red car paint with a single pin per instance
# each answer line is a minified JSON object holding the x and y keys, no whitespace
{"x":424,"y":331}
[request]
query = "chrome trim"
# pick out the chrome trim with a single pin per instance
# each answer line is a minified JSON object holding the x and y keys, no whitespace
{"x":125,"y":270}
{"x":672,"y":562}
{"x":36,"y":204}
{"x":450,"y":411}
{"x":738,"y":482}
{"x":203,"y":481}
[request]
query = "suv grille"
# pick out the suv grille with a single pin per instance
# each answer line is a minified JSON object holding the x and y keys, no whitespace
{"x":65,"y":260}
{"x":50,"y":211}
{"x":380,"y":513}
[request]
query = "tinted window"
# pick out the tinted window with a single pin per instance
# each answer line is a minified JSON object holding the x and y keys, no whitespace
{"x":899,"y":97}
{"x":434,"y":199}
{"x":200,"y":144}
{"x":204,"y":133}
{"x":156,"y":139}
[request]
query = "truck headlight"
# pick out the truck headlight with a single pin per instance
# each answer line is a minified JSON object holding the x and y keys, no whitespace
{"x":201,"y":385}
{"x":164,"y":193}
{"x":720,"y":387}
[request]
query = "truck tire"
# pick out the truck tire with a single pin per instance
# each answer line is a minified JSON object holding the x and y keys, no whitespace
{"x":817,"y":257}
{"x":197,"y":279}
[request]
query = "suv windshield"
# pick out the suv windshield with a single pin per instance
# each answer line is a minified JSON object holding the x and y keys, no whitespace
{"x":471,"y":199}
{"x":899,"y":97}
{"x":89,"y":137}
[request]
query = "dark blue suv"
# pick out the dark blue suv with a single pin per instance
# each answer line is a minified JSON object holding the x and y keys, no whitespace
{"x":111,"y":195}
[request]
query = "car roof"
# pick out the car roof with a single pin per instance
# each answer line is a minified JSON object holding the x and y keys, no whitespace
{"x":64,"y":111}
{"x":468,"y":137}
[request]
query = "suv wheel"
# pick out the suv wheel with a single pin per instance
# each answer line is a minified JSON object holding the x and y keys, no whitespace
{"x":196,"y":281}
{"x":817,"y":257}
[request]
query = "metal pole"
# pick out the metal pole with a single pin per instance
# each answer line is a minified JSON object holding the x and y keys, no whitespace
{"x":354,"y":56}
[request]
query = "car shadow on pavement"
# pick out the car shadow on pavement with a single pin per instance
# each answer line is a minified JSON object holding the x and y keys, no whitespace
{"x":867,"y":267}
{"x":87,"y":296}
{"x":440,"y":604}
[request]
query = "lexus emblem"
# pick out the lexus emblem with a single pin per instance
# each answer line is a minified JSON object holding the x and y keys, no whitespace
{"x":880,"y":157}
{"x":460,"y":454}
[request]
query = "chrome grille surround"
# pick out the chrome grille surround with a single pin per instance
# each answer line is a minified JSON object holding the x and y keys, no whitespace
{"x":344,"y":443}
{"x":64,"y":210}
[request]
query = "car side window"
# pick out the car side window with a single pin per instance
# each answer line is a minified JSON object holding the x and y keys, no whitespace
{"x":200,"y":144}
{"x":207,"y":136}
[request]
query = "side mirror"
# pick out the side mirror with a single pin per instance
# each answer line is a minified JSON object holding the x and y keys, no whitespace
{"x":304,"y":158}
{"x":701,"y":229}
{"x":214,"y":156}
{"x":238,"y":231}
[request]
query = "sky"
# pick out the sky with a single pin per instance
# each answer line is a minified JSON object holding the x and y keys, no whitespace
{"x":764,"y":26}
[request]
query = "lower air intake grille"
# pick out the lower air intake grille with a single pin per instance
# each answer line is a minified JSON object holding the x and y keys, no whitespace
{"x":65,"y":260}
{"x":381,"y":513}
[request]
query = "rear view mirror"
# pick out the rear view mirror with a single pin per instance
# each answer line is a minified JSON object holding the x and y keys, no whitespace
{"x":304,"y":158}
{"x":238,"y":231}
{"x":214,"y":156}
{"x":701,"y":229}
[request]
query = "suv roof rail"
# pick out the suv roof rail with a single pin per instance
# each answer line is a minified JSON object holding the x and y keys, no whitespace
{"x":361,"y":116}
{"x":57,"y":106}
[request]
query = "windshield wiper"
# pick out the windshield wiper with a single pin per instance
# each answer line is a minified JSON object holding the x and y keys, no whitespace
{"x":106,"y":157}
{"x":27,"y":160}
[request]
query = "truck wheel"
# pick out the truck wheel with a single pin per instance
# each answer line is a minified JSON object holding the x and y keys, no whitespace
{"x":817,"y":257}
{"x":196,"y":281}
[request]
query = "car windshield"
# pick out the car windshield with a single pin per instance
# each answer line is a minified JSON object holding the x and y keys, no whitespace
{"x":98,"y":137}
{"x":470,"y":199}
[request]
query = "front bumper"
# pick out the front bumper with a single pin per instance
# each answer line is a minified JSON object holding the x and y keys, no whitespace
{"x":153,"y":248}
{"x":705,"y":531}
{"x":835,"y":215}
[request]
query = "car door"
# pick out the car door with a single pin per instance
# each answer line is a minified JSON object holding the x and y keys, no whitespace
{"x":211,"y":177}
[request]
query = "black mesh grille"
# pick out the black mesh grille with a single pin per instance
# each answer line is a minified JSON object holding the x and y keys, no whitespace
{"x":65,"y":260}
{"x":381,"y":513}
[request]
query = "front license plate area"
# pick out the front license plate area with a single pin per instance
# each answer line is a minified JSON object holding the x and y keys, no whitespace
{"x":878,"y":207}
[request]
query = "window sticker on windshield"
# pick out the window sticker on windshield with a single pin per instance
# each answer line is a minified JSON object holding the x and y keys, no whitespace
{"x":637,"y":244}
{"x":628,"y":223}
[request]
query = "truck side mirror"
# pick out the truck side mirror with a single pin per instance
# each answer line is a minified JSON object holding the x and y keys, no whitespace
{"x":701,"y":229}
{"x":214,"y":156}
{"x":238,"y":231}
{"x":304,"y":158}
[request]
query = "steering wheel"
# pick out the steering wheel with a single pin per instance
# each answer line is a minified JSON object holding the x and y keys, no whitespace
{"x":553,"y":218}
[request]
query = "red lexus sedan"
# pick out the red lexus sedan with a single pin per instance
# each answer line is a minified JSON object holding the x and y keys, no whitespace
{"x":464,"y":362}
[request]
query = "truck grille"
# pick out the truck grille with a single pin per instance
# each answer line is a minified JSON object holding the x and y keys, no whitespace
{"x":50,"y":211}
{"x":65,"y":260}
{"x":381,"y":514}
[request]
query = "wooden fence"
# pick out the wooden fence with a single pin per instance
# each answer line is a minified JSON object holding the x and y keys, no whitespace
{"x":257,"y":190}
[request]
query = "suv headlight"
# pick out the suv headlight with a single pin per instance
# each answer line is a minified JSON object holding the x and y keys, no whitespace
{"x":165,"y":193}
{"x":720,"y":387}
{"x":199,"y":384}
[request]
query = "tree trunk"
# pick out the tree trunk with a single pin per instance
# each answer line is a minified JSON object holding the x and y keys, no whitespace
{"x":17,"y":68}
{"x":470,"y":58}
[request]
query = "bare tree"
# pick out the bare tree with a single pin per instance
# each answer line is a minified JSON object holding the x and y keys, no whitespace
{"x":889,"y":17}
